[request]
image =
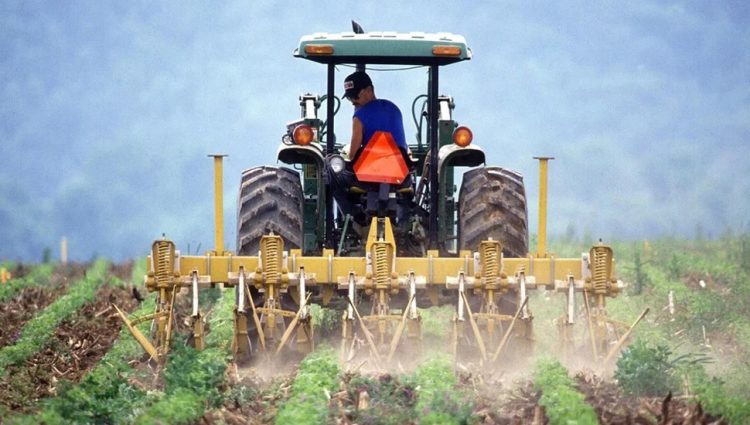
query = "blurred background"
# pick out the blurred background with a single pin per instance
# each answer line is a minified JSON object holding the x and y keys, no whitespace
{"x":108,"y":110}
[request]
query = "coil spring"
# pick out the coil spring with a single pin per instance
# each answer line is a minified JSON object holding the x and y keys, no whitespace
{"x":491,"y":257}
{"x":163,"y":262}
{"x":271,"y":259}
{"x":599,"y":272}
{"x":381,"y":265}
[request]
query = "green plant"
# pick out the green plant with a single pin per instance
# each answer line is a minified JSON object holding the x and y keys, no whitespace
{"x":194,"y":379}
{"x":325,"y":320}
{"x":643,"y":369}
{"x":106,"y":394}
{"x":646,"y":370}
{"x":438,"y":401}
{"x":391,"y":400}
{"x":317,"y":374}
{"x":434,"y":320}
{"x":712,"y":395}
{"x":562,"y":403}
{"x":37,"y":331}
{"x":38,"y":275}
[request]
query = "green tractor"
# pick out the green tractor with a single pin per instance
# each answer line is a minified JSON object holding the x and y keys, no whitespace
{"x":403,"y":242}
{"x":297,"y":204}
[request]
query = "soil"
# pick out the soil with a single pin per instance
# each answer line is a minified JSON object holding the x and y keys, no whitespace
{"x":77,"y":345}
{"x":80,"y":342}
{"x":15,"y":312}
{"x":494,"y":402}
{"x":612,"y":407}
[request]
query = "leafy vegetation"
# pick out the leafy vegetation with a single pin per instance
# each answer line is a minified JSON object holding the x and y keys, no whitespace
{"x":105,"y":395}
{"x":193,"y":379}
{"x":562,"y":403}
{"x":648,"y":370}
{"x":384,"y":399}
{"x":435,"y":320}
{"x":709,"y":282}
{"x":438,"y":400}
{"x":39,"y":274}
{"x":316,"y":378}
{"x":37,"y":331}
{"x":712,"y":394}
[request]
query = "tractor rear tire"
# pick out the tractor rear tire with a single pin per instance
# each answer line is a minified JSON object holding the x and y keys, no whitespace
{"x":270,"y":200}
{"x":492,"y":203}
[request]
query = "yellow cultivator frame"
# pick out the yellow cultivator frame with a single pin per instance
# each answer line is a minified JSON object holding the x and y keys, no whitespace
{"x":483,"y":275}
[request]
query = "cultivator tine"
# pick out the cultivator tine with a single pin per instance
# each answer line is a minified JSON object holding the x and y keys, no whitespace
{"x":256,"y":320}
{"x":509,"y":330}
{"x":590,"y":324}
{"x":624,"y":337}
{"x":292,"y":325}
{"x":138,"y":335}
{"x":368,"y":335}
{"x":197,"y":318}
{"x":167,"y":337}
{"x":347,"y":334}
{"x":475,"y":327}
{"x":522,"y":294}
{"x":241,"y":345}
{"x":400,"y":330}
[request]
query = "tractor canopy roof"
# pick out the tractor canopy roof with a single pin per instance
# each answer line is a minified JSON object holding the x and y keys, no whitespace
{"x":388,"y":48}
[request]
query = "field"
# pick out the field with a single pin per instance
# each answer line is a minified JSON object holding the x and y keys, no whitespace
{"x":66,"y":358}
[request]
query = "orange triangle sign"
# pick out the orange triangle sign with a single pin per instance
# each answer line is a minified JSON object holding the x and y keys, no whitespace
{"x":381,"y":161}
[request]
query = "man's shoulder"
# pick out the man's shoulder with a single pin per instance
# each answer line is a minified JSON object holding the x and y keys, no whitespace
{"x":386,"y":103}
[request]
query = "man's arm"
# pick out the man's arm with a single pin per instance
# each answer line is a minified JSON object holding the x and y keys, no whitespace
{"x":356,"y":137}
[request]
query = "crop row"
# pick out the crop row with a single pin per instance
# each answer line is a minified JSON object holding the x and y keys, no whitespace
{"x":193,"y":379}
{"x":99,"y":397}
{"x":36,"y":332}
{"x":38,"y":274}
{"x":562,"y":402}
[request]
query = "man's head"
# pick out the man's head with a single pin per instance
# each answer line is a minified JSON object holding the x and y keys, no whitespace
{"x":359,"y":89}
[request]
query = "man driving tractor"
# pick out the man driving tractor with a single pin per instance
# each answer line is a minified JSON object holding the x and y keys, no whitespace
{"x":371,"y":115}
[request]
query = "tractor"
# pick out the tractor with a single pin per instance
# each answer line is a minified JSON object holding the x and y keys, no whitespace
{"x":405,"y":241}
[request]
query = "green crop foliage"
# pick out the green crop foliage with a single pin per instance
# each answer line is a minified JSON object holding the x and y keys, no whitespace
{"x":38,"y":275}
{"x":193,"y":379}
{"x":38,"y":330}
{"x":105,"y":395}
{"x":325,"y":320}
{"x":563,"y":404}
{"x":438,"y":400}
{"x":392,"y":401}
{"x":712,"y":395}
{"x":436,"y":319}
{"x":308,"y":403}
{"x":646,"y":370}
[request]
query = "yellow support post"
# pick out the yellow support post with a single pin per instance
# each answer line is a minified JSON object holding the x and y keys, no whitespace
{"x":218,"y":204}
{"x":541,"y":250}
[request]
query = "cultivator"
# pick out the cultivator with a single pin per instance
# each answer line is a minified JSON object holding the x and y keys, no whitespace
{"x":403,"y":241}
{"x":389,"y":287}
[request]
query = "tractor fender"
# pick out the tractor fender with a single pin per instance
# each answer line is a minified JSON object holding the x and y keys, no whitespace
{"x":456,"y":156}
{"x":297,"y":154}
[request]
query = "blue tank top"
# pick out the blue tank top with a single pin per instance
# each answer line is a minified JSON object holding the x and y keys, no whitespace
{"x":381,"y":115}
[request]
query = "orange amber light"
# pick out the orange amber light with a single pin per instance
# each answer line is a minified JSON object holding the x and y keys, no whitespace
{"x":446,"y":50}
{"x":462,"y":136}
{"x":319,"y":49}
{"x":303,"y":135}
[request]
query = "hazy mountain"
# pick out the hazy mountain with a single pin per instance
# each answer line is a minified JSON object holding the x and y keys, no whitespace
{"x":108,"y":110}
